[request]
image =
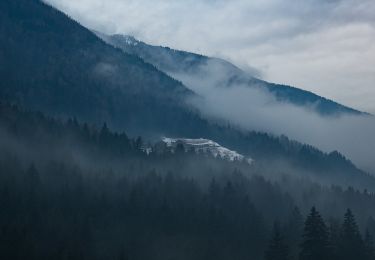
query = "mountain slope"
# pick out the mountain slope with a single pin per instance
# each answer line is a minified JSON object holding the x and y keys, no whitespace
{"x":50,"y":63}
{"x":182,"y":65}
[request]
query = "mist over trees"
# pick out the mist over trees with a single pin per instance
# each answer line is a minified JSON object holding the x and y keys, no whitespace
{"x":117,"y":202}
{"x":232,"y":95}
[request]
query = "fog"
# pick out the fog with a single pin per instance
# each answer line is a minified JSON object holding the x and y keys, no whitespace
{"x":254,"y":108}
{"x":323,"y":46}
{"x":326,"y":47}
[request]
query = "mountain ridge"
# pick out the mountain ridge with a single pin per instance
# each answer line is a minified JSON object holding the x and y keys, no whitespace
{"x":174,"y":62}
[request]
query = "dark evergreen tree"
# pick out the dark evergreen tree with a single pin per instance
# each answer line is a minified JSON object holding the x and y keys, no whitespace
{"x":292,"y":231}
{"x":32,"y":180}
{"x":138,"y":143}
{"x":369,"y":246}
{"x":123,"y":255}
{"x":334,"y":236}
{"x":180,"y":149}
{"x":315,"y":244}
{"x":350,"y":244}
{"x":277,"y":249}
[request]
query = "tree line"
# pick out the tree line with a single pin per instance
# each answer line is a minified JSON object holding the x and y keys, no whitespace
{"x":75,"y":191}
{"x":320,"y":242}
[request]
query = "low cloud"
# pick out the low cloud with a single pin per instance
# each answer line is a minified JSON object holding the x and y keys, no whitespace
{"x":325,"y":46}
{"x":254,"y":108}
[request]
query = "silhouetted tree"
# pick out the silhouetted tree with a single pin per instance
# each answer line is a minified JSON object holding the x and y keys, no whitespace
{"x":138,"y":143}
{"x":123,"y":255}
{"x":180,"y":149}
{"x":315,"y":244}
{"x":292,"y":231}
{"x":350,"y":244}
{"x":369,"y":246}
{"x":277,"y":249}
{"x":334,"y":236}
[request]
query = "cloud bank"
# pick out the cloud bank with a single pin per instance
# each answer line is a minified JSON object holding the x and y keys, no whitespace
{"x":254,"y":108}
{"x":325,"y":46}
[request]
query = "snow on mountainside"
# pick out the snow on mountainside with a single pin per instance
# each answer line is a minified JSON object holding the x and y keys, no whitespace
{"x":206,"y":146}
{"x":130,"y":40}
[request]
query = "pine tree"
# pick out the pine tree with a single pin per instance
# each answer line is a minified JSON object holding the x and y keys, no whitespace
{"x":292,"y":231}
{"x":350,"y":245}
{"x":369,"y":246}
{"x":33,"y":183}
{"x":180,"y":149}
{"x":138,"y":143}
{"x":277,"y":249}
{"x":104,"y":137}
{"x":334,"y":236}
{"x":315,"y":244}
{"x":123,"y":255}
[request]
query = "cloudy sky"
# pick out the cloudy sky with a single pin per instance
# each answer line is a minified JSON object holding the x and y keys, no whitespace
{"x":326,"y":46}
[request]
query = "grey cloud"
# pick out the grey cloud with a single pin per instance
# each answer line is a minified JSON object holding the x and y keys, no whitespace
{"x":256,"y":109}
{"x":325,"y":46}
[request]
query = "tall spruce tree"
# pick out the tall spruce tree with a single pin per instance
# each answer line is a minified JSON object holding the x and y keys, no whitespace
{"x":334,"y":236}
{"x":369,"y":246}
{"x":315,"y":244}
{"x":350,"y":244}
{"x":277,"y":249}
{"x":292,"y":231}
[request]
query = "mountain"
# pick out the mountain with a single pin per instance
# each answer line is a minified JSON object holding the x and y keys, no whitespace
{"x":75,"y":187}
{"x":52,"y":64}
{"x":190,"y":68}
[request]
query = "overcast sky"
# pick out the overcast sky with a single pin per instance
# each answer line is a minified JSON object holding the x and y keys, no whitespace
{"x":325,"y":46}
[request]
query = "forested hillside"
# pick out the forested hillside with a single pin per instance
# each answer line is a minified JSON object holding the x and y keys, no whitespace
{"x":72,"y":191}
{"x":52,"y":64}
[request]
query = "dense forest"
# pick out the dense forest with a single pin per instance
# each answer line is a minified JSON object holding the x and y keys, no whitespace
{"x":77,"y":192}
